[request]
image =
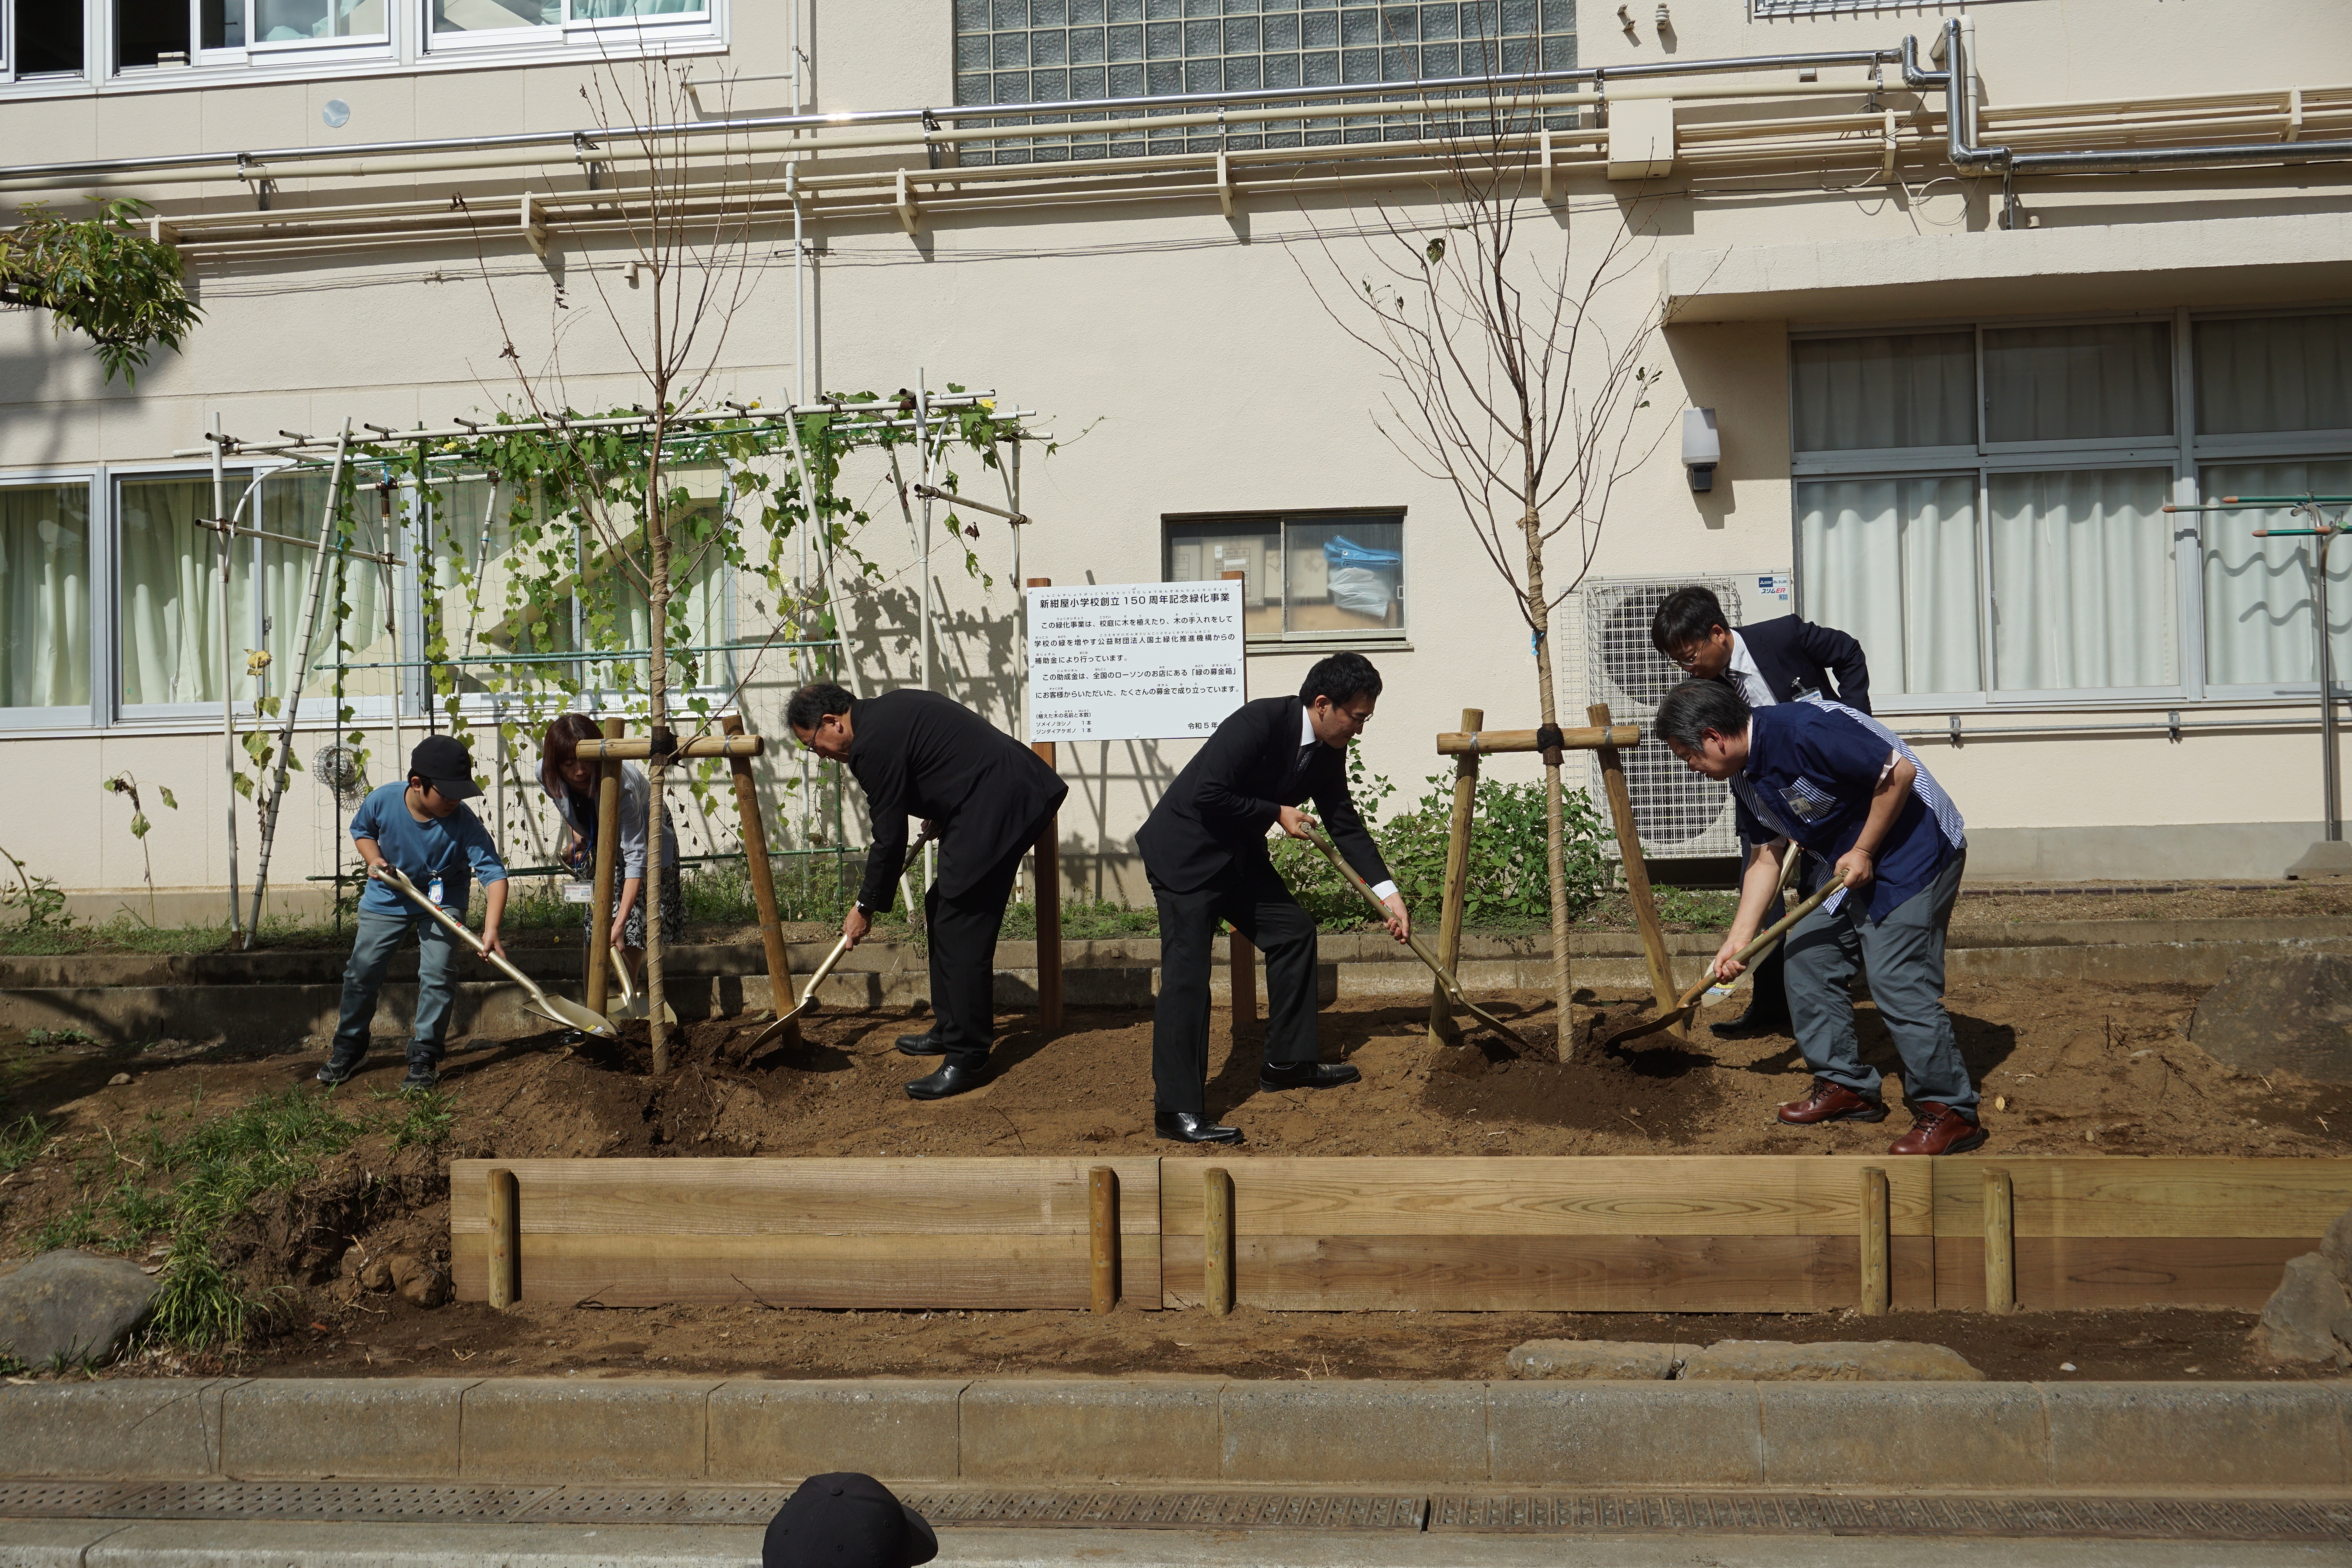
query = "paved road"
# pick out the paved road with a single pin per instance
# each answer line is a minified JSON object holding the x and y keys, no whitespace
{"x":254,"y":1543}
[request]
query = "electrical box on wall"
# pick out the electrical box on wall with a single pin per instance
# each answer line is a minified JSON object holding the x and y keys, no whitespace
{"x":1641,"y":138}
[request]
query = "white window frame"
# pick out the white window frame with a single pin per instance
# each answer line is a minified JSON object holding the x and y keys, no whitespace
{"x":406,"y":47}
{"x":97,"y":575}
{"x":2184,"y":454}
{"x":1396,"y":637}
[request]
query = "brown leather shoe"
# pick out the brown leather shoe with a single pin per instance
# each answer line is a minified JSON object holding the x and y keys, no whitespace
{"x":1938,"y":1130}
{"x":1830,"y":1102}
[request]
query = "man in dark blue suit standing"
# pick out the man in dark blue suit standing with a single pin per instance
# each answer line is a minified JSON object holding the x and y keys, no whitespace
{"x":1769,"y":662}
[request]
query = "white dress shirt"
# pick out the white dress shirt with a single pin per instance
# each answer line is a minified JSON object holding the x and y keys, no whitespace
{"x":1306,"y":739}
{"x":1745,"y":678}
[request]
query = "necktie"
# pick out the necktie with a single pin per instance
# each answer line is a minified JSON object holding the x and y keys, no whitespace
{"x":1298,"y":765}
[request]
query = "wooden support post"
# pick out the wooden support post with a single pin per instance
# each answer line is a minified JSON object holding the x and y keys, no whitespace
{"x":505,"y":1240}
{"x":1102,"y":1195}
{"x":1877,"y":1284}
{"x":1217,"y":1240}
{"x":1049,"y":896}
{"x":2000,"y":1242}
{"x":600,"y":895}
{"x":1457,"y":881}
{"x":1637,"y":872}
{"x":763,"y":883}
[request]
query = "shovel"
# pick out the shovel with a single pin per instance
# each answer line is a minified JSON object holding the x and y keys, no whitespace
{"x":808,"y":992}
{"x":557,"y":1009}
{"x":632,"y":1006}
{"x":1680,"y":1013}
{"x":1419,"y":949}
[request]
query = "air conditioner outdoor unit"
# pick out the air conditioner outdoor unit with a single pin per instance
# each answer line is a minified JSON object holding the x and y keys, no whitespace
{"x":1679,"y":815}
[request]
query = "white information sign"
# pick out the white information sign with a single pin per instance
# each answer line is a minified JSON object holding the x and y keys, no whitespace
{"x":1134,"y":662}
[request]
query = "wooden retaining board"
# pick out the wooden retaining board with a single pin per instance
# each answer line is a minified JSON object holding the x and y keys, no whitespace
{"x":974,"y":1233}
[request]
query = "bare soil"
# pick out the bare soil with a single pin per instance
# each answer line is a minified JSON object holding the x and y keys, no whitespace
{"x":2076,"y":1067}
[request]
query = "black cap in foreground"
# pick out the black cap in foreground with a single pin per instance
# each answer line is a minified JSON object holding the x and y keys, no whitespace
{"x":846,"y":1520}
{"x":443,"y":761}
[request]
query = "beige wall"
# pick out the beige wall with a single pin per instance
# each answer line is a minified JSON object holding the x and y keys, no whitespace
{"x":1189,"y":364}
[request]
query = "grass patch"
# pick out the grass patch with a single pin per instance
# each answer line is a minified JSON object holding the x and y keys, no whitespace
{"x":186,"y":1175}
{"x":21,"y":1143}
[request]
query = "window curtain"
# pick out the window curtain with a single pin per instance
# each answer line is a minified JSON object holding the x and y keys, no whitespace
{"x":2070,"y":383}
{"x":2274,"y":372}
{"x":1915,"y":389}
{"x":170,"y":599}
{"x":2258,"y":592}
{"x":475,"y":519}
{"x":45,"y":597}
{"x":1892,"y":562}
{"x":295,"y":505}
{"x":2082,"y":591}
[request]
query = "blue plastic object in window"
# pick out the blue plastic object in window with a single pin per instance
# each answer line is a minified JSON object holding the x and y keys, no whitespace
{"x":1341,"y":550}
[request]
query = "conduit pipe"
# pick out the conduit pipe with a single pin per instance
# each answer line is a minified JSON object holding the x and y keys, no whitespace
{"x":233,"y":165}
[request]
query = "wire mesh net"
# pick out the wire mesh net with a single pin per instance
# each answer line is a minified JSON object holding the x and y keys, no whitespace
{"x":1677,"y":813}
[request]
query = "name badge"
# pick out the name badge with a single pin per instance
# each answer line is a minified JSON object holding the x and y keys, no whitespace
{"x":578,"y":892}
{"x":433,"y":889}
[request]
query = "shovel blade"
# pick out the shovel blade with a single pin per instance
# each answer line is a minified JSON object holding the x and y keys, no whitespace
{"x":573,"y":1015}
{"x":1674,"y":1024}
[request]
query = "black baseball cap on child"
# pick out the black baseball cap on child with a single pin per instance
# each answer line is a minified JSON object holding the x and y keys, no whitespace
{"x":443,"y":761}
{"x":846,"y":1520}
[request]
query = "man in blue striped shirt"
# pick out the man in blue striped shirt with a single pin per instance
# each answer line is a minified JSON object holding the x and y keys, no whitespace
{"x":1842,"y":785}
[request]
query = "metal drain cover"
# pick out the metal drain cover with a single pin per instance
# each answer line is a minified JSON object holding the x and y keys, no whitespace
{"x":1797,"y":1514}
{"x":1173,"y":1511}
{"x":389,"y":1501}
{"x":61,"y":1500}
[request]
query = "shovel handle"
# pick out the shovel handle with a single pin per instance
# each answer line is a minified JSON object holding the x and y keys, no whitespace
{"x":1769,"y":935}
{"x":394,"y":877}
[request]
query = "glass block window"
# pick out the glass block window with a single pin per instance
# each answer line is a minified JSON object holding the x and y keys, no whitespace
{"x":1048,"y":51}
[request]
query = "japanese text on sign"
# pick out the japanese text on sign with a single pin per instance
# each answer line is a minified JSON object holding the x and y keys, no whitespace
{"x":1134,"y":662}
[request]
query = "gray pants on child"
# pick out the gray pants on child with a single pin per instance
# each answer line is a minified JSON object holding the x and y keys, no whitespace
{"x":1904,"y":956}
{"x":437,"y":988}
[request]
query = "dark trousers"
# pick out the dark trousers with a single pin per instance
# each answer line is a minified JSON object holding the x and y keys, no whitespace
{"x":1257,"y":904}
{"x":963,"y":935}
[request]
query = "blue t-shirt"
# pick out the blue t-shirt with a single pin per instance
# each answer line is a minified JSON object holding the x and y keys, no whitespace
{"x":455,"y":848}
{"x":1811,"y":770}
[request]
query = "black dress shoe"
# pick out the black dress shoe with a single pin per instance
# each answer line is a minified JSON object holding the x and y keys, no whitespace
{"x":926,"y":1044}
{"x":953,"y":1079}
{"x":1754,"y":1022}
{"x":1306,"y":1075}
{"x":1183,"y":1127}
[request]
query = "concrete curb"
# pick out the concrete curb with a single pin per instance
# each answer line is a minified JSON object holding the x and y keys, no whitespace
{"x":2007,"y":1436}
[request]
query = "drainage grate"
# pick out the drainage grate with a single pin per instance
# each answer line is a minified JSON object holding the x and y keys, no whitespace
{"x":62,"y":1499}
{"x":389,"y":1501}
{"x":1174,"y":1511}
{"x":1602,"y":1513}
{"x":1793,"y":1514}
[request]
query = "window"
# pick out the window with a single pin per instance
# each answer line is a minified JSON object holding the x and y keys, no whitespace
{"x":44,"y":601}
{"x":454,"y":20}
{"x":1312,"y":576}
{"x":1046,"y":51}
{"x":1983,"y":507}
{"x":47,"y":38}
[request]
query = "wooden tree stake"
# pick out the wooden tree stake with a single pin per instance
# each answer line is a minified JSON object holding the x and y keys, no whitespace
{"x":763,"y":883}
{"x":505,"y":1240}
{"x":1442,"y":1031}
{"x":1217,"y":1240}
{"x":1878,"y":1286}
{"x":600,"y":896}
{"x":2000,"y":1242}
{"x":1102,"y":1195}
{"x":1049,"y":896}
{"x":1637,"y":872}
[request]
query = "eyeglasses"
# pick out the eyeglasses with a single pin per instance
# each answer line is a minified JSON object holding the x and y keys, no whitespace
{"x":1686,"y":657}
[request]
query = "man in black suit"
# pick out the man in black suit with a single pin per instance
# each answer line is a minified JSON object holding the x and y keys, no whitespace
{"x":987,"y":796}
{"x":1205,"y":849}
{"x":1769,"y":662}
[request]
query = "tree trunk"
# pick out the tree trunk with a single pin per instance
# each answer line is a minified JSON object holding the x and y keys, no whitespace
{"x":657,"y":682}
{"x":1555,"y":846}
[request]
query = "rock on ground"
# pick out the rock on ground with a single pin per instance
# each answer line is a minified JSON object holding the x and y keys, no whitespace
{"x":72,"y":1306}
{"x":2298,"y":1323}
{"x":2337,"y":1247}
{"x":1776,"y":1361}
{"x":2271,"y":1015}
{"x":1595,"y":1358}
{"x":420,"y":1284}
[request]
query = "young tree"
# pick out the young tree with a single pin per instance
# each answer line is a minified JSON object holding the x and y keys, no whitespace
{"x":681,"y":223}
{"x":102,"y":277}
{"x":1490,"y":310}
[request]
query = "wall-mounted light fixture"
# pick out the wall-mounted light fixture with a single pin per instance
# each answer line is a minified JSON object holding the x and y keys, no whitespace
{"x":1702,"y":447}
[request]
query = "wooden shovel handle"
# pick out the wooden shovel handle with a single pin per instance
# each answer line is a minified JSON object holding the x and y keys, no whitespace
{"x":1770,"y":934}
{"x":397,"y":880}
